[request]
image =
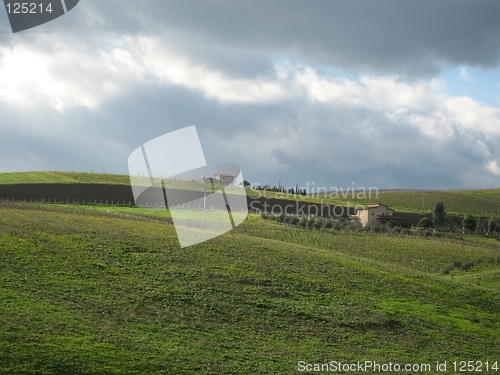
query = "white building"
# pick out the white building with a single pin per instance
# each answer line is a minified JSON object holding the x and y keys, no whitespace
{"x":224,"y":179}
{"x":375,"y":213}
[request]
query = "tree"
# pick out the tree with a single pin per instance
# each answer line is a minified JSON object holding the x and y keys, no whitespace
{"x":439,"y":214}
{"x":454,"y":222}
{"x":469,"y":223}
{"x":425,"y":223}
{"x":479,"y":225}
{"x":246,"y":183}
{"x":492,"y":225}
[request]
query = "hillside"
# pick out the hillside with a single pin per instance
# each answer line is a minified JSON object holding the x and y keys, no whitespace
{"x":63,"y":178}
{"x":91,"y":292}
{"x":478,"y":202}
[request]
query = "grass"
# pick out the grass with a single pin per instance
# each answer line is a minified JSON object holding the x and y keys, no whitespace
{"x":85,"y":291}
{"x":477,"y":202}
{"x":63,"y":178}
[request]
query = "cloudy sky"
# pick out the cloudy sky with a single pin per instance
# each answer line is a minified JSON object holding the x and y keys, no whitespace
{"x":392,"y":94}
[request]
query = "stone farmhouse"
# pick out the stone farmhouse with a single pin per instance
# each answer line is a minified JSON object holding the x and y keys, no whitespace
{"x":224,"y":178}
{"x":376,"y":213}
{"x":220,"y":178}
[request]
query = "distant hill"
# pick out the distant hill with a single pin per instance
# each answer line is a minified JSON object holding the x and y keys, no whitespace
{"x":63,"y":178}
{"x":477,"y":202}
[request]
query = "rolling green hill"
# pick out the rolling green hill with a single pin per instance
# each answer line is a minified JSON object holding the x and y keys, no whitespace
{"x":478,"y":202}
{"x":90,"y":292}
{"x":63,"y":178}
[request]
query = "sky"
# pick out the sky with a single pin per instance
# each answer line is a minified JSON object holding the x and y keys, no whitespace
{"x":387,"y":94}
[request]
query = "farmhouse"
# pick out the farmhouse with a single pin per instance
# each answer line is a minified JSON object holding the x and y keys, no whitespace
{"x":224,"y":178}
{"x":376,"y":213}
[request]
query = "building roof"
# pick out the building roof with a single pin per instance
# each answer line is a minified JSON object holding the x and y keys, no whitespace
{"x":224,"y":175}
{"x":374,"y":205}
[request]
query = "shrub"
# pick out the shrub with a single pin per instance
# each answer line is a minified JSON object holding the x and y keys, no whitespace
{"x":480,"y":223}
{"x":317,"y":224}
{"x":406,"y":231}
{"x":425,"y":223}
{"x":492,"y":225}
{"x":405,"y":224}
{"x":378,"y":229}
{"x":447,"y":270}
{"x":352,"y":226}
{"x":467,"y":266}
{"x":328,"y":224}
{"x":453,"y":221}
{"x":469,"y":223}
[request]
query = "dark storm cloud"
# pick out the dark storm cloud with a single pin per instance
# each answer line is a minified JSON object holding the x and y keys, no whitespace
{"x":114,"y":97}
{"x":411,"y":38}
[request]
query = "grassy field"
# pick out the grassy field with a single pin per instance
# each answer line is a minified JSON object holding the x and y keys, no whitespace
{"x":477,"y":202}
{"x":85,"y":291}
{"x":63,"y":178}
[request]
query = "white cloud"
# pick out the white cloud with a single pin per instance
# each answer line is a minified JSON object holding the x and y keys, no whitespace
{"x":172,"y":68}
{"x":494,"y":167}
{"x":62,"y":75}
{"x":68,"y":77}
{"x":464,"y":74}
{"x":422,"y":103}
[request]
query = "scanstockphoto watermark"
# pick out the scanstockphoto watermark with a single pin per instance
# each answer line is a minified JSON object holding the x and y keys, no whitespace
{"x":260,"y":205}
{"x":204,"y":199}
{"x":332,"y":192}
{"x":357,"y":367}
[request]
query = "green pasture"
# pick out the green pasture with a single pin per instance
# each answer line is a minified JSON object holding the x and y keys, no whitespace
{"x":86,"y":291}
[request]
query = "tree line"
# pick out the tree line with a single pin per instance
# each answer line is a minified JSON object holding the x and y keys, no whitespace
{"x":441,"y":220}
{"x":276,"y":189}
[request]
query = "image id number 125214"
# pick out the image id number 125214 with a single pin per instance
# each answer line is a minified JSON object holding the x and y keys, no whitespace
{"x":25,"y":8}
{"x":475,"y":366}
